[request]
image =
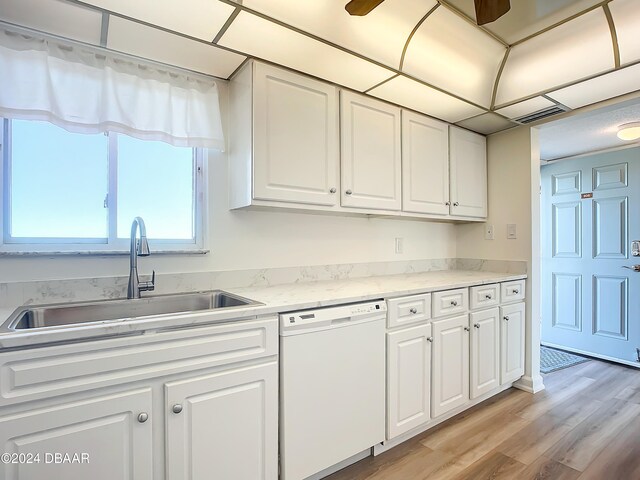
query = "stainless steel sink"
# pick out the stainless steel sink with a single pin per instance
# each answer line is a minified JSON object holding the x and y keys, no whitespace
{"x":70,"y":314}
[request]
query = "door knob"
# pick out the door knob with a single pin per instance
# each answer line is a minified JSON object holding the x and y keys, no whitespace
{"x":143,"y":417}
{"x":177,"y":408}
{"x":635,"y":268}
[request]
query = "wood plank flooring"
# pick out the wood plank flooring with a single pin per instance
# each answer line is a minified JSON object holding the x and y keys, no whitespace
{"x":585,"y":426}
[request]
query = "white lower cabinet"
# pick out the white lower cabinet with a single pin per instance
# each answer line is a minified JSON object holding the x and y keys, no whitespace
{"x":110,"y":434}
{"x":450,"y":377}
{"x":224,"y":425}
{"x":408,"y":379}
{"x":512,"y":326}
{"x":485,"y":351}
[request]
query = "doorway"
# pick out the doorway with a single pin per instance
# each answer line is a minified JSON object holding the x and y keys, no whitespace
{"x":589,"y":216}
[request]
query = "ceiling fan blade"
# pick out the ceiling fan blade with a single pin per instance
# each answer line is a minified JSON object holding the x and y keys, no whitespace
{"x":361,"y":7}
{"x":488,"y":11}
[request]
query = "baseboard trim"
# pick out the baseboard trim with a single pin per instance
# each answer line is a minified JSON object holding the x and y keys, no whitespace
{"x":591,"y":354}
{"x":530,"y":384}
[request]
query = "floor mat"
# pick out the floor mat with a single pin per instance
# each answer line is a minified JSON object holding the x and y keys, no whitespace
{"x":552,"y":359}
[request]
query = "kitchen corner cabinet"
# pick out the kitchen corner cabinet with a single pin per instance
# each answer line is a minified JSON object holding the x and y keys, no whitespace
{"x":450,"y":379}
{"x":284,"y":143}
{"x":408,"y":379}
{"x":425,"y":165}
{"x":485,"y":351}
{"x":468,"y":170}
{"x":512,"y":327}
{"x":370,"y":147}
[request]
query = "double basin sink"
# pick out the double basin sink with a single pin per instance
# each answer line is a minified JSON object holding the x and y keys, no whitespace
{"x":29,"y":318}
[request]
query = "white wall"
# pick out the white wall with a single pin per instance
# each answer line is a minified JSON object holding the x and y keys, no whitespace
{"x":513,"y":164}
{"x":260,"y":239}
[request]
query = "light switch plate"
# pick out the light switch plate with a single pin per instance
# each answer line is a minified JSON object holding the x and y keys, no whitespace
{"x":511,"y":230}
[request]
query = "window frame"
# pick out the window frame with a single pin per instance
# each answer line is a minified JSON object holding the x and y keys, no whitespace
{"x":112,"y":244}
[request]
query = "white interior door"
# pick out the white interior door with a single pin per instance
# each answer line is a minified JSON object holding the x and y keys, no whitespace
{"x":590,"y":302}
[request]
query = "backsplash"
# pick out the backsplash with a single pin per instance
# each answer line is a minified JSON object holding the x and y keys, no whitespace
{"x":13,"y":294}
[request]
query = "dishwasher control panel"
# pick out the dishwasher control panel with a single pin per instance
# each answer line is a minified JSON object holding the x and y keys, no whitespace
{"x":320,"y":318}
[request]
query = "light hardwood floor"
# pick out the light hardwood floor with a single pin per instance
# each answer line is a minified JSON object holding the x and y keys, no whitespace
{"x":585,"y":425}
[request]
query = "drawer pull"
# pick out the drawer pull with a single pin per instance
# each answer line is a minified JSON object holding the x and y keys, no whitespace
{"x":454,"y":303}
{"x":143,"y":417}
{"x":177,"y":408}
{"x":430,"y":339}
{"x":477,"y":325}
{"x":506,"y":318}
{"x":487,"y":297}
{"x":516,"y":291}
{"x":413,"y":310}
{"x":467,"y":329}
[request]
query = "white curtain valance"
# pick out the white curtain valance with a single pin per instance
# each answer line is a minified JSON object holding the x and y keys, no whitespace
{"x":90,"y":91}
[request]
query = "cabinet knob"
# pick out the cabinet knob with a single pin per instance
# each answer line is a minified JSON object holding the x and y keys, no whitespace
{"x":177,"y":408}
{"x":506,"y":318}
{"x":454,"y":303}
{"x":413,"y":310}
{"x":348,"y":192}
{"x":447,"y":203}
{"x":455,"y":204}
{"x":332,"y":190}
{"x":477,"y":325}
{"x":430,"y":339}
{"x":143,"y":417}
{"x":488,"y":297}
{"x":467,"y":329}
{"x":516,"y":291}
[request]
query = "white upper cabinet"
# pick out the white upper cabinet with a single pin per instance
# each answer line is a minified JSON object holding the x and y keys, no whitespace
{"x":370,"y":145}
{"x":468,"y":169}
{"x":283,"y":139}
{"x":425,"y":164}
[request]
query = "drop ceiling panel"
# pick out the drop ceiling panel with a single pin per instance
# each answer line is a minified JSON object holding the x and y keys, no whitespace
{"x":600,"y":88}
{"x":148,"y":42}
{"x":380,"y":35}
{"x":450,"y":53}
{"x":198,"y":18}
{"x":58,"y":18}
{"x":264,"y":39}
{"x":415,"y":95}
{"x":486,"y":124}
{"x":518,"y":110}
{"x":527,"y":17}
{"x":626,"y":17}
{"x":565,"y":54}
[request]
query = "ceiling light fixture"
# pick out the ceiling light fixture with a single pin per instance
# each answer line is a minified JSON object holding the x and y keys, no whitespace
{"x":629,"y":131}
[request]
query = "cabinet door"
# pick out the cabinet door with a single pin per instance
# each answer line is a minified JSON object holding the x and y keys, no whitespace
{"x":468,"y":164}
{"x":295,"y":127}
{"x":450,"y":374}
{"x":512,"y":342}
{"x":425,"y":164}
{"x":104,"y":432}
{"x":408,"y":379}
{"x":370,"y":143}
{"x":485,"y":351}
{"x":224,"y":425}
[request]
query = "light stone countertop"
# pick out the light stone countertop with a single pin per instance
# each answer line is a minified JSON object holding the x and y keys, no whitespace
{"x":275,"y":299}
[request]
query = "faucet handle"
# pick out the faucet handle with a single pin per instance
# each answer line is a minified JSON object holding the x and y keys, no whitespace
{"x":148,"y":286}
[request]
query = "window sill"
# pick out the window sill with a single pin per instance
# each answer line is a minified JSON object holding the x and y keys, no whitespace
{"x":95,"y":253}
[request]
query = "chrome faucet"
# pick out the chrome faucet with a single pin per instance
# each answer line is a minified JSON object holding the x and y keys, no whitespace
{"x":138,"y":248}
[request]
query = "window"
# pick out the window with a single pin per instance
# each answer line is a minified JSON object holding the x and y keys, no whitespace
{"x":72,"y":191}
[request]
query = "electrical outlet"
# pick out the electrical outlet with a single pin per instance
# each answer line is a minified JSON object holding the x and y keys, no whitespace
{"x":488,"y":232}
{"x":399,"y":245}
{"x":511,"y":231}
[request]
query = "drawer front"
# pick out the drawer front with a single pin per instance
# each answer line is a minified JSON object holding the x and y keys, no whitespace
{"x":57,"y":370}
{"x":449,"y":302}
{"x":408,"y":310}
{"x":484,"y":296}
{"x":512,"y":291}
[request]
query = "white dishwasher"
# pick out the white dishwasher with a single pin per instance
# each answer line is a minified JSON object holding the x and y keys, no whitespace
{"x":332,"y":386}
